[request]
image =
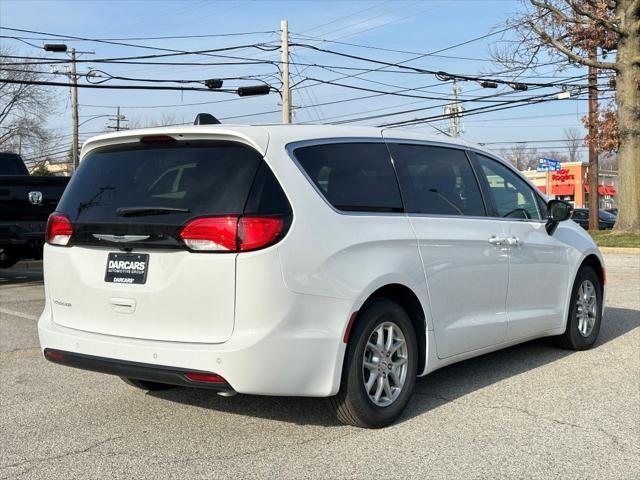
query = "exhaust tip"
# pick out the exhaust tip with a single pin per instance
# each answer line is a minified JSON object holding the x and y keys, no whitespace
{"x":227,"y":393}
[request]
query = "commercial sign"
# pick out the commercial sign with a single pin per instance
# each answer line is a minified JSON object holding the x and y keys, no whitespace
{"x":563,"y":175}
{"x":548,"y":165}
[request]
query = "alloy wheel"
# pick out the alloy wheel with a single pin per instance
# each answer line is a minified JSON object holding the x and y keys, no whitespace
{"x":586,"y":308}
{"x":384,"y":366}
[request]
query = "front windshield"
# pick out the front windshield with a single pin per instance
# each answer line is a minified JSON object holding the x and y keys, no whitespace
{"x":604,"y":215}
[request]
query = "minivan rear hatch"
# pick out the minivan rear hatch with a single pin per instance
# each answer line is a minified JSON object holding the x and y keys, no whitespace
{"x":127,"y":271}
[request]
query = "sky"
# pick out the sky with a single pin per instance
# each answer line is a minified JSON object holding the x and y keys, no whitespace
{"x":386,"y":30}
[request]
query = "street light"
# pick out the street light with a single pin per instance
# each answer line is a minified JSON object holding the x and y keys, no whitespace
{"x":94,"y":117}
{"x":62,"y":48}
{"x":253,"y":90}
{"x":55,"y":47}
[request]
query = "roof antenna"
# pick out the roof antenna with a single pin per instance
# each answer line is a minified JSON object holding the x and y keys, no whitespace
{"x":206,"y":119}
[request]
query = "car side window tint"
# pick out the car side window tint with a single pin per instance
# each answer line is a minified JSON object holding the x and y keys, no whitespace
{"x":437,"y":180}
{"x":542,"y":205}
{"x":512,"y":196}
{"x":353,"y":176}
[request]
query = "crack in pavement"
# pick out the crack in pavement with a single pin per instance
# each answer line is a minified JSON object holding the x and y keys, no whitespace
{"x":616,"y":440}
{"x":59,"y":456}
{"x":20,"y":353}
{"x":22,"y":315}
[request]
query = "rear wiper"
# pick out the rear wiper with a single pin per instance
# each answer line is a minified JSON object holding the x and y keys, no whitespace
{"x":140,"y":211}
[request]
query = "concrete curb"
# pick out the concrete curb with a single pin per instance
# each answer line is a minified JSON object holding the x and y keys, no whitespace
{"x":621,"y":250}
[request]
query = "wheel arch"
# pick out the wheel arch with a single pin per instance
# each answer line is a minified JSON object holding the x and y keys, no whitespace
{"x":407,"y":299}
{"x":597,"y":265}
{"x":594,"y":260}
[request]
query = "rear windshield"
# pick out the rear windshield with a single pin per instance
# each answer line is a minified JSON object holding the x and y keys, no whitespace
{"x":181,"y":181}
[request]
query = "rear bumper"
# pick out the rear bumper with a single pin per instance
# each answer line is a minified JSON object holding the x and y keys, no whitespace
{"x":136,"y":370}
{"x":295,"y":357}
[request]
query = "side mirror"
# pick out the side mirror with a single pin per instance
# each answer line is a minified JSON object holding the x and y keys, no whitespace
{"x":557,"y":211}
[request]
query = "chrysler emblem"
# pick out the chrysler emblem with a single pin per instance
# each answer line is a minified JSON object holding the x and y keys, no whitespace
{"x":35,"y":198}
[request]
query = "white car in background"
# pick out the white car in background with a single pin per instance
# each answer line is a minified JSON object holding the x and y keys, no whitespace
{"x":306,"y":260}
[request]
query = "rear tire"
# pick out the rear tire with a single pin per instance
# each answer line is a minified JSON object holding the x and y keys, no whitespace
{"x":376,"y":366}
{"x":585,"y":313}
{"x":6,"y":259}
{"x":146,"y":385}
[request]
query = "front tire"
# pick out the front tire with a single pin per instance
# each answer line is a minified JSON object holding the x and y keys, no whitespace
{"x":145,"y":384}
{"x":380,"y":367}
{"x":585,"y":314}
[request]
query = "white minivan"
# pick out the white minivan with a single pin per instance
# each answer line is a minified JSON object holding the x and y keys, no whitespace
{"x":306,"y":260}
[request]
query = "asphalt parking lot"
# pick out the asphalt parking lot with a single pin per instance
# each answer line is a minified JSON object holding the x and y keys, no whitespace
{"x":531,"y":411}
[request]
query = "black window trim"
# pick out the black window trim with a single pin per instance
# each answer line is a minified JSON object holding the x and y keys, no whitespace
{"x":293,"y":146}
{"x":469,"y":150}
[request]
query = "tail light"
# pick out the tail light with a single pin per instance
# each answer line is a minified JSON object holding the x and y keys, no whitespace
{"x":231,"y":233}
{"x":59,"y":230}
{"x":211,"y":234}
{"x":258,"y":232}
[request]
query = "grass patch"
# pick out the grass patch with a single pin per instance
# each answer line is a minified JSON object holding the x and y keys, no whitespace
{"x":606,"y":238}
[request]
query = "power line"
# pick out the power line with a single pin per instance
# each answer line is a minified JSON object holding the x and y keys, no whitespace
{"x":489,"y":108}
{"x":173,"y":52}
{"x":167,"y":37}
{"x":392,"y":50}
{"x":130,"y":59}
{"x":438,"y":73}
{"x":120,"y":87}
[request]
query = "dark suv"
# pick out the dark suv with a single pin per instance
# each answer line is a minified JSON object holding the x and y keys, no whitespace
{"x":606,"y":220}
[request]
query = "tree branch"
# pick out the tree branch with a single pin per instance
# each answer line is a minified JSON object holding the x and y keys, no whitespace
{"x":562,"y":48}
{"x":555,"y":10}
{"x":606,"y":23}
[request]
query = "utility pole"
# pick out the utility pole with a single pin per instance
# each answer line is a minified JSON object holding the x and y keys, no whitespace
{"x":74,"y":109}
{"x":454,"y":110}
{"x":73,"y":76}
{"x":284,"y":61}
{"x":118,"y":119}
{"x":592,"y":176}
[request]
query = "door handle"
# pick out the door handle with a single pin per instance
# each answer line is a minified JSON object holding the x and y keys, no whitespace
{"x":513,"y":241}
{"x":493,"y":240}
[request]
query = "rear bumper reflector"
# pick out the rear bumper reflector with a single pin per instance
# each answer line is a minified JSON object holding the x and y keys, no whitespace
{"x":139,"y":371}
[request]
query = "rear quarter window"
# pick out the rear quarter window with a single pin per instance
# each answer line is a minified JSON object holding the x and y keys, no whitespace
{"x":353,"y":177}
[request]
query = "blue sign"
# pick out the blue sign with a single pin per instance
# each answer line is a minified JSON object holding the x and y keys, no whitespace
{"x":548,"y":165}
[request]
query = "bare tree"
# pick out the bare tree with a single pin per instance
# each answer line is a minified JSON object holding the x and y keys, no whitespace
{"x":23,"y":107}
{"x":555,"y":155}
{"x":573,"y":141}
{"x":587,"y":32}
{"x":165,"y":120}
{"x":609,"y":161}
{"x":521,"y":156}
